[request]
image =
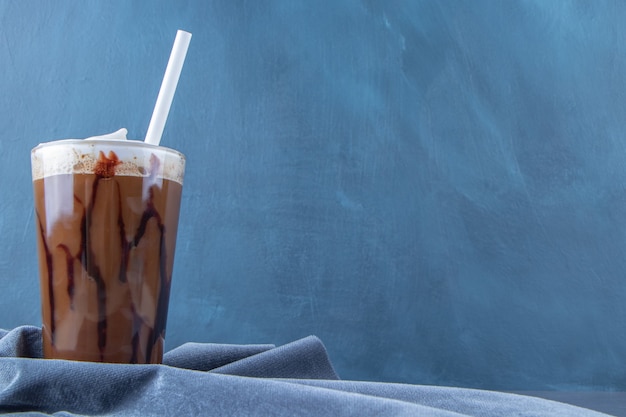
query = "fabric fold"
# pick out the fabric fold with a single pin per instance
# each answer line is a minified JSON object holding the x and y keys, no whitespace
{"x":296,"y":379}
{"x":208,"y":356}
{"x":21,"y":342}
{"x":306,"y":356}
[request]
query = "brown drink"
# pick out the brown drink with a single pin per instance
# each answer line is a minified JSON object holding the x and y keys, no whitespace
{"x":106,"y":217}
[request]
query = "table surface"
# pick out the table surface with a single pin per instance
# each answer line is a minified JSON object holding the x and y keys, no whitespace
{"x":609,"y":402}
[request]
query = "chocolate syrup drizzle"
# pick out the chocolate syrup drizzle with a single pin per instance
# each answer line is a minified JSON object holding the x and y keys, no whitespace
{"x":69,"y":260}
{"x":105,"y":169}
{"x":50,"y":275}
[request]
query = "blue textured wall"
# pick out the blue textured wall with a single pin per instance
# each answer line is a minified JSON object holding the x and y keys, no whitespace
{"x":436,"y":189}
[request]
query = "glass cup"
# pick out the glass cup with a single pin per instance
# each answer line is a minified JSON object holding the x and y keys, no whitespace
{"x":106,"y":218}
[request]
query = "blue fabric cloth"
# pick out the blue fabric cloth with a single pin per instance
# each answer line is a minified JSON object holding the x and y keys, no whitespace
{"x":296,"y":379}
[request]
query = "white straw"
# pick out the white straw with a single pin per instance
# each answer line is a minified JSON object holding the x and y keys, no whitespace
{"x":168,"y":87}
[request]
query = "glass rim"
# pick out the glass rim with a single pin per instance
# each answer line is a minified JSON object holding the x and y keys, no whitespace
{"x":128,"y":143}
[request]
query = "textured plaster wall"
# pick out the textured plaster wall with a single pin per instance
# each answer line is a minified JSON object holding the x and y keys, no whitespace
{"x":435,"y":189}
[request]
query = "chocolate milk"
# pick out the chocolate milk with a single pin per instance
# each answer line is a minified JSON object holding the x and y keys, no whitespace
{"x":106,"y":217}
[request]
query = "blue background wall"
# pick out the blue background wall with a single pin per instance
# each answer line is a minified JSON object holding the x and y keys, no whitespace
{"x":435,"y":189}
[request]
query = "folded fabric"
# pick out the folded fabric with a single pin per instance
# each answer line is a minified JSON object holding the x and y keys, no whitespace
{"x":296,"y":379}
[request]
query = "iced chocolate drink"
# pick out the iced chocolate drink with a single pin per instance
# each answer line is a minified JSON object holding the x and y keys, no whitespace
{"x":106,"y":218}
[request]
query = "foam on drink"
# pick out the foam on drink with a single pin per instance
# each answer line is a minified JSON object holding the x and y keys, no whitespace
{"x":136,"y":158}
